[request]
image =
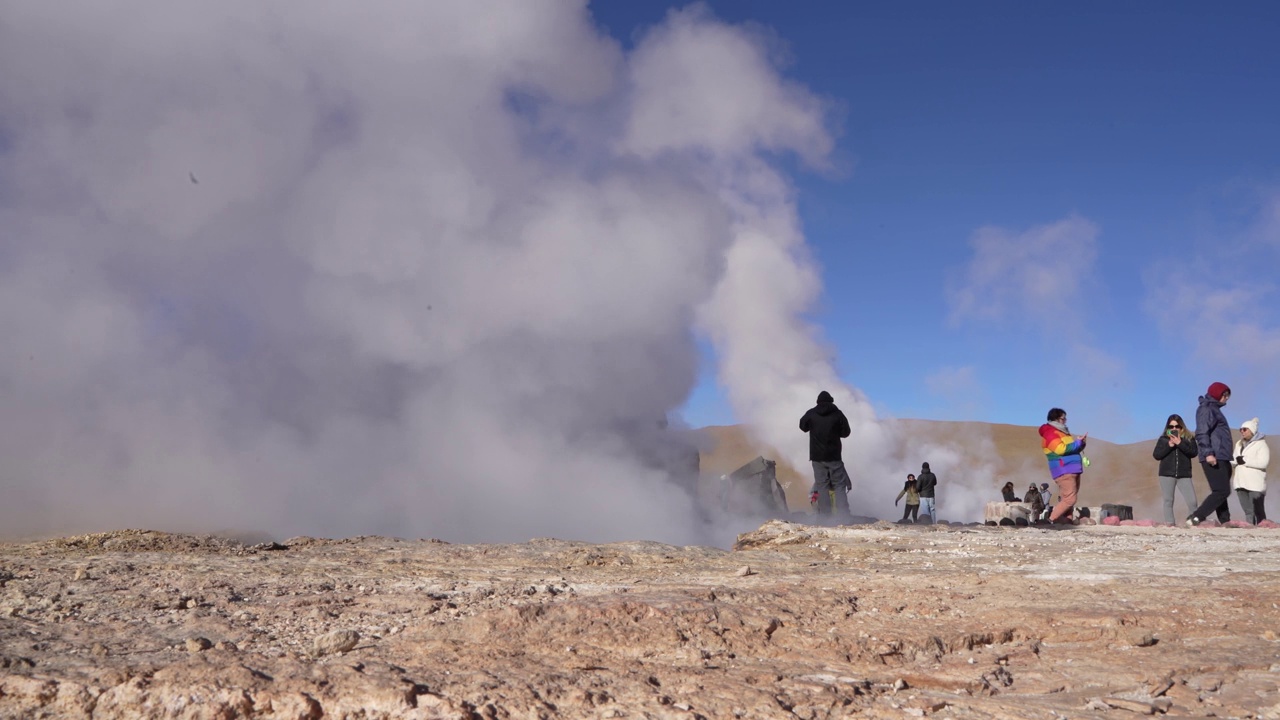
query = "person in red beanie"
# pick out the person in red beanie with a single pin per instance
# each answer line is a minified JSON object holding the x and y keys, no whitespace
{"x":1213,"y":438}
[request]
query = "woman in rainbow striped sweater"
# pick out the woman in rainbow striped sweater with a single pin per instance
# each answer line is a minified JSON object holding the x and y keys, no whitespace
{"x":1066,"y":464}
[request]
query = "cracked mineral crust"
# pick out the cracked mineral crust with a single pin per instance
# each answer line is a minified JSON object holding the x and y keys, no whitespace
{"x":870,"y":621}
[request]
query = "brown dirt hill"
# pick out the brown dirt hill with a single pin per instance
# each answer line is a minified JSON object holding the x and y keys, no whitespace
{"x":1123,"y":474}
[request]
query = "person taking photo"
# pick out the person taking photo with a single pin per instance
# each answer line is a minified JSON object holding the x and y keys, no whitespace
{"x":1176,"y":450}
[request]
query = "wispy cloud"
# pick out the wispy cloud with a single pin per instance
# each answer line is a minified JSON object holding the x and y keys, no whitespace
{"x":1028,"y":274}
{"x":1226,"y":324}
{"x":1266,"y":227}
{"x":1223,"y":307}
{"x":958,"y":388}
{"x":952,"y":381}
{"x":1224,"y":300}
{"x":1040,"y":279}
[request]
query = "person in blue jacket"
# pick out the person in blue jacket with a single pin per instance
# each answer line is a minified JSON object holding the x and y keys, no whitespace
{"x":1213,"y":439}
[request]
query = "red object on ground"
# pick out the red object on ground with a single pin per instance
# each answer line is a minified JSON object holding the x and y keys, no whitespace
{"x":1270,"y":524}
{"x":1111,"y":520}
{"x":1139,"y":523}
{"x":1237,"y":524}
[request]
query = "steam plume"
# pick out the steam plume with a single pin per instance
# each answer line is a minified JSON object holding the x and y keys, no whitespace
{"x":402,"y":268}
{"x":412,"y":268}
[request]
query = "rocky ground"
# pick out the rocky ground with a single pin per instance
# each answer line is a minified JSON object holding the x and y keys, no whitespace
{"x":796,"y":622}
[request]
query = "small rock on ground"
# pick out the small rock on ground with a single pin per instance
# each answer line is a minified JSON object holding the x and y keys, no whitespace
{"x":338,"y":641}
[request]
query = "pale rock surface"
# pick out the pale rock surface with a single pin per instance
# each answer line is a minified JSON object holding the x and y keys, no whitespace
{"x":877,"y":621}
{"x":338,"y":641}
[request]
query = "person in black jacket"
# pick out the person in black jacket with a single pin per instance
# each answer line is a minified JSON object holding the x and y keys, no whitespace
{"x":826,"y":425}
{"x":926,"y":483}
{"x":1176,"y":450}
{"x":1213,"y":439}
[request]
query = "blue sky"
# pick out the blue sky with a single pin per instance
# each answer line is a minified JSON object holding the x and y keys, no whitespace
{"x":1152,"y":129}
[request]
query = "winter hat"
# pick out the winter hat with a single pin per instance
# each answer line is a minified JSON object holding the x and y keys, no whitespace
{"x":1252,"y":425}
{"x":1217,"y":390}
{"x":924,"y":467}
{"x":825,"y":396}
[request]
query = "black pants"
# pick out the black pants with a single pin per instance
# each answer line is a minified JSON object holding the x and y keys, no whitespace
{"x":1219,"y":490}
{"x":912,"y":511}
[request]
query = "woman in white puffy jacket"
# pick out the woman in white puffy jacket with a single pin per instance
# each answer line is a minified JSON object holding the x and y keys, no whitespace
{"x":1249,"y":479}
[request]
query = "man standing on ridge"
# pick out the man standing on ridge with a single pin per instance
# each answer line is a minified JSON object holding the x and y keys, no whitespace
{"x":926,"y":485}
{"x":1066,"y":464}
{"x":826,"y":425}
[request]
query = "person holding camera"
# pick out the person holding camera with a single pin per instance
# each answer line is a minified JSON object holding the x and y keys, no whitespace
{"x":1250,"y":476}
{"x":1066,"y":464}
{"x":1213,"y":439}
{"x":1176,"y":450}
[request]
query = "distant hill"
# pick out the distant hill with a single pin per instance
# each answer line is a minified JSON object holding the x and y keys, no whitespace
{"x":1118,"y":473}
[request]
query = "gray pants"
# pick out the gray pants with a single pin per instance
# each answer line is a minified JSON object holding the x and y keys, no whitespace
{"x":1183,"y":486}
{"x":1252,"y":502}
{"x":827,"y":477}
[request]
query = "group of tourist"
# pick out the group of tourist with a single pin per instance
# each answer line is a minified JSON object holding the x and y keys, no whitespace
{"x":1228,"y":465}
{"x":1240,"y":465}
{"x":1039,"y":498}
{"x":919,"y":492}
{"x":827,"y":426}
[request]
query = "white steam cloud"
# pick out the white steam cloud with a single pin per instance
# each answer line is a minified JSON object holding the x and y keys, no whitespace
{"x":414,"y":268}
{"x":427,"y":269}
